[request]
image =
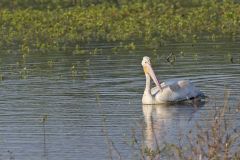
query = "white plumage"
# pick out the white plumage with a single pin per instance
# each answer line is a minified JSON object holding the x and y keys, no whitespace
{"x":173,"y":90}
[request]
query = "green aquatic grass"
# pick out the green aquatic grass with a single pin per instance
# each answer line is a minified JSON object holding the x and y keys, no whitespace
{"x":61,"y":28}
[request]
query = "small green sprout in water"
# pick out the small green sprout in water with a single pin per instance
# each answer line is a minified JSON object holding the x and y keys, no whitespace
{"x":87,"y":62}
{"x":94,"y":52}
{"x":74,"y":71}
{"x":73,"y":67}
{"x":1,"y":77}
{"x":78,"y":50}
{"x":50,"y":63}
{"x":213,"y":37}
{"x":24,"y":73}
{"x":84,"y":74}
{"x":24,"y":55}
{"x":151,"y":153}
{"x":115,"y":50}
{"x":155,"y":51}
{"x":230,"y":57}
{"x":25,"y":49}
{"x":182,"y":54}
{"x":238,"y":60}
{"x":132,"y":46}
{"x":171,"y":58}
{"x":44,"y":118}
{"x":195,"y":56}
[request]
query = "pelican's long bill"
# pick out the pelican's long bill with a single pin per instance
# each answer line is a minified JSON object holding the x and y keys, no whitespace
{"x":148,"y":70}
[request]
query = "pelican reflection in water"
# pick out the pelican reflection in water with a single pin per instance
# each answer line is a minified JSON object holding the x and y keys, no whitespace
{"x":165,"y":123}
{"x":169,"y":91}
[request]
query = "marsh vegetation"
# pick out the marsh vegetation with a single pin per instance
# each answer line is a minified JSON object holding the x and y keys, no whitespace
{"x":31,"y":25}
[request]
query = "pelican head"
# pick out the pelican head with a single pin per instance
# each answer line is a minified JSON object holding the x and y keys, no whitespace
{"x":146,"y":60}
{"x":147,"y":68}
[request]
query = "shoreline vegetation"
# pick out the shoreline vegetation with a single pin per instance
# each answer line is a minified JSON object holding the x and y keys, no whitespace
{"x":46,"y":25}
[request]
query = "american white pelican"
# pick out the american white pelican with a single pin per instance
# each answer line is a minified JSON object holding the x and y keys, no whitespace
{"x":170,"y":91}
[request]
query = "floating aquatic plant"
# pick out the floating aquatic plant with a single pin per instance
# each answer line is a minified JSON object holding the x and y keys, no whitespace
{"x":74,"y":71}
{"x":24,"y":73}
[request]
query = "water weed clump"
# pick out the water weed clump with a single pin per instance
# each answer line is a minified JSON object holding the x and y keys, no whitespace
{"x":26,"y":27}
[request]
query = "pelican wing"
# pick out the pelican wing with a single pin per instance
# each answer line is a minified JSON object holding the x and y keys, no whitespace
{"x":154,"y":90}
{"x":176,"y":90}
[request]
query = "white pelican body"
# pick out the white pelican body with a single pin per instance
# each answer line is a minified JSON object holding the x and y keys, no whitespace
{"x":171,"y":91}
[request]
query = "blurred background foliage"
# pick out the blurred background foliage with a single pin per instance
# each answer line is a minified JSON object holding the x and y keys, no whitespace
{"x":44,"y":24}
{"x":53,"y":4}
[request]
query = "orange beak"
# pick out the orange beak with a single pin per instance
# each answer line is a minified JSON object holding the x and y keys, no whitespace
{"x":148,"y":70}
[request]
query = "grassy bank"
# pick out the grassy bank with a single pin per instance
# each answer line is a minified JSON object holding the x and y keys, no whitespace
{"x":28,"y":28}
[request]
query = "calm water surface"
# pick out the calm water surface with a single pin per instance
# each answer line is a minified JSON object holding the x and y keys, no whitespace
{"x":65,"y":106}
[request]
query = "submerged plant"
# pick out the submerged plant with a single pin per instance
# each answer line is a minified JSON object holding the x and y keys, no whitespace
{"x":24,"y":73}
{"x":74,"y":71}
{"x":50,"y":63}
{"x":1,"y":77}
